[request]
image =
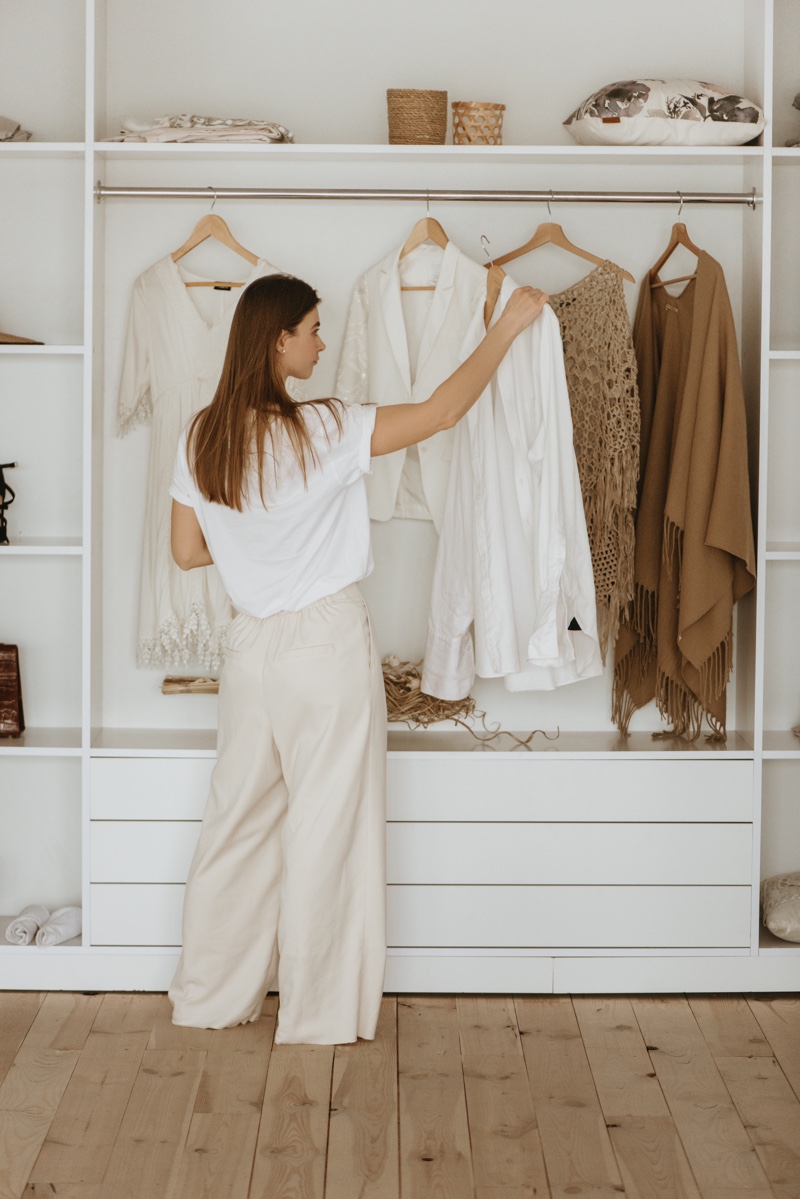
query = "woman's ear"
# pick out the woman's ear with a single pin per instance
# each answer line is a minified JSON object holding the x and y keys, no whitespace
{"x":281,"y":343}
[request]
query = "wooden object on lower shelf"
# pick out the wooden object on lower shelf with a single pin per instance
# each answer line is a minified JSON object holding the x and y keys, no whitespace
{"x":175,"y":684}
{"x":12,"y":722}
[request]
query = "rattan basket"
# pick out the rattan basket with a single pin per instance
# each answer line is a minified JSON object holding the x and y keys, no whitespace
{"x":477,"y":123}
{"x":416,"y":117}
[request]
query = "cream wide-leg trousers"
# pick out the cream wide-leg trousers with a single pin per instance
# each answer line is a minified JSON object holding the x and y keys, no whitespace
{"x":288,"y":883}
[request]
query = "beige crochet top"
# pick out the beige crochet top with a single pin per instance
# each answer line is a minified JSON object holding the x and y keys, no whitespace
{"x":601,"y":378}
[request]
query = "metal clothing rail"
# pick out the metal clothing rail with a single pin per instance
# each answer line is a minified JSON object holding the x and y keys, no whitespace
{"x":323,"y":193}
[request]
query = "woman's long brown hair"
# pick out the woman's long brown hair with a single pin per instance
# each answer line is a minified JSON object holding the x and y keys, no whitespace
{"x":251,"y":402}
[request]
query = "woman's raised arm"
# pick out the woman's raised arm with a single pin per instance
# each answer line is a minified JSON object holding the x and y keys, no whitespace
{"x":401,"y":425}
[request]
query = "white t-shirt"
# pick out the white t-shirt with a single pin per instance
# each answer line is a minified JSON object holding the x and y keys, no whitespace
{"x":307,"y":540}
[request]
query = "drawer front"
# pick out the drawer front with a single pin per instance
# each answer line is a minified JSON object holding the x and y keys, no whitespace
{"x":147,"y":851}
{"x":524,"y":788}
{"x":136,"y":915}
{"x":142,"y":851}
{"x":149,"y":788}
{"x":521,"y":917}
{"x":570,"y":917}
{"x":581,"y":854}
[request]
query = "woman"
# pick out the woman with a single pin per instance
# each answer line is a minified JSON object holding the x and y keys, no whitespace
{"x":287,"y":885}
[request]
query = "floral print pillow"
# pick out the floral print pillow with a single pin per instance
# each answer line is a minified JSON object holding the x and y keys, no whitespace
{"x":660,"y":112}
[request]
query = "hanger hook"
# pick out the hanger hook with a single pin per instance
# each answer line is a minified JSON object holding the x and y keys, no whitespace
{"x":486,"y":243}
{"x":213,"y":191}
{"x":680,"y":205}
{"x":427,"y":203}
{"x":753,"y":200}
{"x":549,"y":202}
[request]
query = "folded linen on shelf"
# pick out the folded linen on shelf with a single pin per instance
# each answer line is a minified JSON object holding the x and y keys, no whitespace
{"x":12,"y":131}
{"x":63,"y":925}
{"x":186,"y":127}
{"x":23,"y":929}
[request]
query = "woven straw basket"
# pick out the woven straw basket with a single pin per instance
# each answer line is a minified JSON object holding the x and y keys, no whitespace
{"x":476,"y":123}
{"x":416,"y":117}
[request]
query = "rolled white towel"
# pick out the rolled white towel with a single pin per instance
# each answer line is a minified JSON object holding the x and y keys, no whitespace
{"x":63,"y":925}
{"x":22,"y":930}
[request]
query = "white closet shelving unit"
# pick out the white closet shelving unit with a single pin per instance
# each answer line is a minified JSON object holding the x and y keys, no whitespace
{"x":588,"y":864}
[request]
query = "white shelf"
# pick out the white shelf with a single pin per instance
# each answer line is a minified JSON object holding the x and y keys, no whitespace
{"x":43,"y":742}
{"x":768,"y":943}
{"x":43,"y":546}
{"x":782,"y":551}
{"x":571,"y":152}
{"x":781,"y":743}
{"x":451,"y":743}
{"x":784,"y":355}
{"x":34,"y":149}
{"x":17,"y":351}
{"x":7,"y":947}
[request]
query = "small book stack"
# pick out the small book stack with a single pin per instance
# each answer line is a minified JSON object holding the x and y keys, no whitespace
{"x":12,"y":722}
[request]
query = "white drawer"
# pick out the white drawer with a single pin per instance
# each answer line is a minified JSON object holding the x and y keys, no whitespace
{"x":527,"y":788}
{"x":142,"y":851}
{"x":150,"y":788}
{"x":572,"y":917}
{"x":546,"y":917}
{"x":136,"y":915}
{"x":559,"y":854}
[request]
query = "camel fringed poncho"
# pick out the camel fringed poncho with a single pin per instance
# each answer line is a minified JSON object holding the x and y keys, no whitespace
{"x":694,"y":553}
{"x":601,"y":378}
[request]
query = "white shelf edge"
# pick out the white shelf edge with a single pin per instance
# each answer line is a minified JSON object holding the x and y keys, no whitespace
{"x":299,"y":149}
{"x":41,"y":547}
{"x":784,"y":355}
{"x":13,"y":351}
{"x":34,"y":149}
{"x":43,"y":743}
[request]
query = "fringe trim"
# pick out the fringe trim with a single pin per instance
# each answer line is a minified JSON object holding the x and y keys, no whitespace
{"x":129,"y":419}
{"x":672,"y":549}
{"x":716,"y":670}
{"x":184,"y":643}
{"x":623,"y":705}
{"x":644,"y":615}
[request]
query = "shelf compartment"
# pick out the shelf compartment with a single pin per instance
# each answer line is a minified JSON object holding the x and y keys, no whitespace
{"x":43,"y":742}
{"x":768,"y":943}
{"x":781,"y":743}
{"x":40,"y":850}
{"x":7,"y":947}
{"x":783,"y":479}
{"x":41,"y":407}
{"x":44,"y":44}
{"x":41,"y":613}
{"x":781,"y":648}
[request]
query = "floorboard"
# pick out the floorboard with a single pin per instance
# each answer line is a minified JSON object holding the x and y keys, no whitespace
{"x":457,"y":1097}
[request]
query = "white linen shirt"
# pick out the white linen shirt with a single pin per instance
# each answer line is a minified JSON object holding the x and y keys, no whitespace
{"x":305,"y":541}
{"x":513,"y":559}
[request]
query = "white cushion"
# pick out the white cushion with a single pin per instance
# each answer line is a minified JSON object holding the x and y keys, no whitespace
{"x":665,"y":112}
{"x":780,"y":905}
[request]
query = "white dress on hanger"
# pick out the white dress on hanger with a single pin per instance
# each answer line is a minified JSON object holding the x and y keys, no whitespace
{"x":173,"y":358}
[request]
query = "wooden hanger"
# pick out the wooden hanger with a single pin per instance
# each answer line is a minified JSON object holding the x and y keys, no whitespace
{"x":212,"y":225}
{"x":550,"y":233}
{"x":493,"y":285}
{"x":678,"y":237}
{"x":426,"y":229}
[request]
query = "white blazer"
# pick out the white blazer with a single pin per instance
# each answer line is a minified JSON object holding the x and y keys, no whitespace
{"x":375,"y":365}
{"x":513,"y":559}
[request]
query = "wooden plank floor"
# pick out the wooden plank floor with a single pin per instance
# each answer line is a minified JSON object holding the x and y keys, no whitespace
{"x":469,"y":1097}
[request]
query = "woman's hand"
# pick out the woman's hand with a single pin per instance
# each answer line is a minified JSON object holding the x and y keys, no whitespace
{"x":400,"y":425}
{"x":523,"y":307}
